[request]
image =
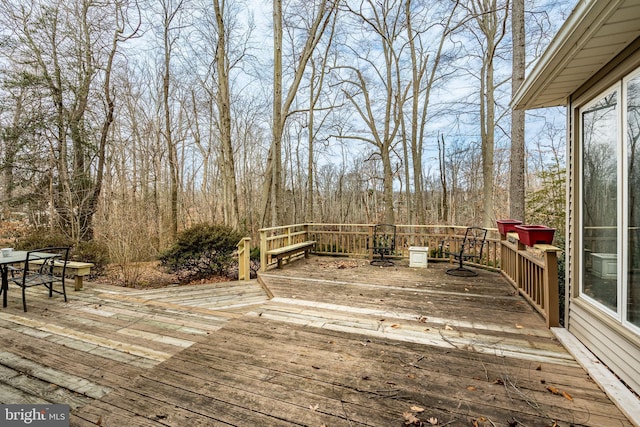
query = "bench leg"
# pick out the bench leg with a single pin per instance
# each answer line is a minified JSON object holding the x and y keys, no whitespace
{"x":77,"y":286}
{"x":279,"y":262}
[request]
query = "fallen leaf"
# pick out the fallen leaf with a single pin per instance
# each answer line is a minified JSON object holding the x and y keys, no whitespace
{"x":422,"y":319}
{"x":471,"y":388}
{"x":519,"y":326}
{"x":539,"y":368}
{"x":395,"y":326}
{"x":552,"y":389}
{"x":417,"y":409}
{"x":448,"y":328}
{"x":411,"y":419}
{"x":567,"y":396}
{"x":498,"y":381}
{"x":433,"y":421}
{"x":314,"y":407}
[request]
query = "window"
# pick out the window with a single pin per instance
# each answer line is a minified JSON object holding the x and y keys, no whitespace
{"x":632,"y":91}
{"x":599,"y":195}
{"x":610,"y":209}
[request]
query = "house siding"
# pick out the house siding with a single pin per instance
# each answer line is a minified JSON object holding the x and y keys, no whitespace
{"x":607,"y":338}
{"x":618,"y":350}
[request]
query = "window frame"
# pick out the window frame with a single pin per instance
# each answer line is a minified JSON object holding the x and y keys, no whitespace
{"x":616,"y":87}
{"x":620,"y":86}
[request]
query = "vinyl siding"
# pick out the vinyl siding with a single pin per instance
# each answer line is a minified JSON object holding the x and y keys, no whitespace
{"x":615,"y":348}
{"x":614,"y":344}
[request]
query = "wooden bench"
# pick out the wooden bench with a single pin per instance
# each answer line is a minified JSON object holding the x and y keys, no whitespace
{"x":290,"y":250}
{"x":74,"y":268}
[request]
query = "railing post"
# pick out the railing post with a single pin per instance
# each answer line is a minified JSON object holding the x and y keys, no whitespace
{"x":370,"y":241}
{"x":244,"y":259}
{"x":551,"y":290}
{"x":263,"y":250}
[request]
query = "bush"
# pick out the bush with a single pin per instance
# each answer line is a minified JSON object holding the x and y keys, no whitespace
{"x":202,"y":251}
{"x":90,"y":251}
{"x":42,"y":238}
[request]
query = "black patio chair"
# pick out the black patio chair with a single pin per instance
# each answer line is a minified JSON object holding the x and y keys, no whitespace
{"x":470,"y":249}
{"x":46,"y":267}
{"x":383,"y":242}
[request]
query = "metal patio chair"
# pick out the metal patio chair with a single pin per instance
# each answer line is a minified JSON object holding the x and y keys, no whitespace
{"x":43,"y":267}
{"x":470,"y":249}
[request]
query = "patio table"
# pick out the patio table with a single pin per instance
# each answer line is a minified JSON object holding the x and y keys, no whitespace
{"x":14,"y":258}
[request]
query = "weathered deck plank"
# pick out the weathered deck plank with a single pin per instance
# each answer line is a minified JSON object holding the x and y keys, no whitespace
{"x":341,"y":343}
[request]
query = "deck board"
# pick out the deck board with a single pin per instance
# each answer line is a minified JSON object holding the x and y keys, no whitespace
{"x":341,"y":343}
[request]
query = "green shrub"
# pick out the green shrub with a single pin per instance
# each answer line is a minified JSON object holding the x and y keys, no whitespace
{"x":202,"y":251}
{"x":42,"y":238}
{"x":90,"y":251}
{"x":255,"y":253}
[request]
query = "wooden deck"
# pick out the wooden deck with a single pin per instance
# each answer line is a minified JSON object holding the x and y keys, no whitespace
{"x":341,"y":343}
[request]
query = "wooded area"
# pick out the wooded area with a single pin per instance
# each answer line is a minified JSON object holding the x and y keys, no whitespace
{"x":126,"y":121}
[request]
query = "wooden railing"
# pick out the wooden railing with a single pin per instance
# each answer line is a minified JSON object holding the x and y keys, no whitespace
{"x":244,"y":259}
{"x":278,"y":237}
{"x":532,"y":271}
{"x":352,"y":239}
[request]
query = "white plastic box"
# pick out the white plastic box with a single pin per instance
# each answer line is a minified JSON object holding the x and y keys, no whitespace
{"x":605,"y":265}
{"x":418,"y":256}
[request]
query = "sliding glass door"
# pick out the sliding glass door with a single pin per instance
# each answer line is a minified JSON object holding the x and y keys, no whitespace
{"x":610,"y":206}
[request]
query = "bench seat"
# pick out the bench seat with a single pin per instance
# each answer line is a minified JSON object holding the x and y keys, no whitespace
{"x":76,"y":269}
{"x":290,"y":250}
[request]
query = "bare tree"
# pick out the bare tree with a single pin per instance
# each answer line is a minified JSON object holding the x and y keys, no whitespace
{"x":425,"y":71}
{"x":170,"y":13}
{"x":319,"y":15}
{"x":223,"y":67}
{"x":517,"y":181}
{"x":376,"y":79}
{"x":491,"y":20}
{"x":67,"y":50}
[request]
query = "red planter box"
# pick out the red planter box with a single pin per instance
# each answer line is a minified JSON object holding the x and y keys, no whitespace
{"x":535,"y":234}
{"x":507,"y":225}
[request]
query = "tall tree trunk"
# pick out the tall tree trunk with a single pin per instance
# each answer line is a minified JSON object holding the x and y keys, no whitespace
{"x":272,"y":187}
{"x":487,"y":132}
{"x":174,"y":169}
{"x":232,"y":215}
{"x":493,"y":28}
{"x":517,"y":181}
